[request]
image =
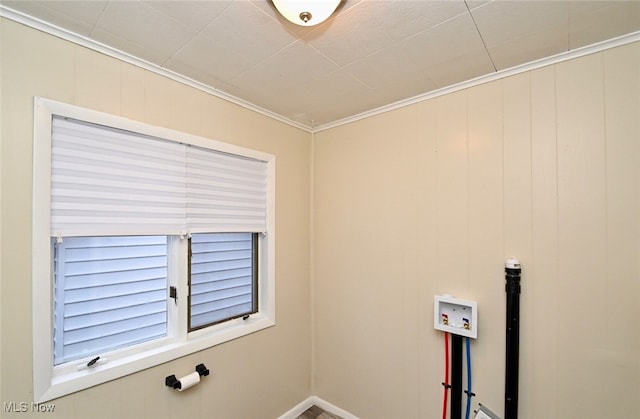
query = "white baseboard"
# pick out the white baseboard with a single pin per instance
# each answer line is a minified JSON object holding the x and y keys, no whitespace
{"x":317,"y":401}
{"x":298,"y":409}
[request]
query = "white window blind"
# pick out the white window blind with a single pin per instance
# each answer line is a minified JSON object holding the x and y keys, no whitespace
{"x":110,"y":292}
{"x":223,"y":280}
{"x":108,"y":181}
{"x":225,"y":192}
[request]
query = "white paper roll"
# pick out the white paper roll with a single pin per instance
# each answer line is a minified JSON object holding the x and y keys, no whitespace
{"x":189,"y":381}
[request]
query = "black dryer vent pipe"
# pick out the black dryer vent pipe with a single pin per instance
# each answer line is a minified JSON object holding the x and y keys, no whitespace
{"x":456,"y":376}
{"x":512,"y":270}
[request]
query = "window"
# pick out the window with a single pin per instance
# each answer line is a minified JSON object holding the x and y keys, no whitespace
{"x":109,"y":293}
{"x":222,"y":277}
{"x":148,"y":244}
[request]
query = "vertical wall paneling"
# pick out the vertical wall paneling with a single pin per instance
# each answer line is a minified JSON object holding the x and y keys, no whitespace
{"x":351,"y":220}
{"x":100,"y":402}
{"x":416,"y":152}
{"x":619,"y":352}
{"x":186,"y":109}
{"x":132,"y":394}
{"x":452,"y":194}
{"x":331,"y":247}
{"x":132,"y":92}
{"x":430,"y":372}
{"x":157,"y":99}
{"x":541,"y":274}
{"x":582,"y":235}
{"x":384,"y":282}
{"x":95,"y":77}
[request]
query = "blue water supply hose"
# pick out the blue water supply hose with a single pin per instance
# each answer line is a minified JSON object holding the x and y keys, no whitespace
{"x":468,"y":391}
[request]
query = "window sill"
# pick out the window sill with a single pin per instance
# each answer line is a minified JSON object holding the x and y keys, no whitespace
{"x":67,"y":379}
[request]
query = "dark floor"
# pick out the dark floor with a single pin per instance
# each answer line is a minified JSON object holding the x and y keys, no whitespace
{"x":314,"y":412}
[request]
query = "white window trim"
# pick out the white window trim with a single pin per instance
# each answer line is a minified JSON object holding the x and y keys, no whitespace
{"x":52,"y":382}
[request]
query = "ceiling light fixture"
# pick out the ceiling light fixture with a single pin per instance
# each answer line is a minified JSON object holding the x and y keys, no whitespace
{"x":306,"y":12}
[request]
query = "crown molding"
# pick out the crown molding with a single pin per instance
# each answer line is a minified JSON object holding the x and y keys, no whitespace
{"x":523,"y":68}
{"x":113,"y":52}
{"x":67,"y":35}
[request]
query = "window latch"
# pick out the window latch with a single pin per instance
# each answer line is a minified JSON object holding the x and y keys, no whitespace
{"x":91,"y":364}
{"x":173,"y":293}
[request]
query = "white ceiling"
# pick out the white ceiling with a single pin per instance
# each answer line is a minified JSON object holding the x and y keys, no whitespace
{"x":369,"y":54}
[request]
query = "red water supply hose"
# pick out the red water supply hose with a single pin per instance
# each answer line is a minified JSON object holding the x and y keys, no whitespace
{"x":446,"y":375}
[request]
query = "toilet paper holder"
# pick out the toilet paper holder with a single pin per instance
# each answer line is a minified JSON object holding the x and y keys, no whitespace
{"x":173,"y":382}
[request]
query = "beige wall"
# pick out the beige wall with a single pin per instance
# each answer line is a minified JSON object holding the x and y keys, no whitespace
{"x":432,"y":198}
{"x":259,"y":376}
